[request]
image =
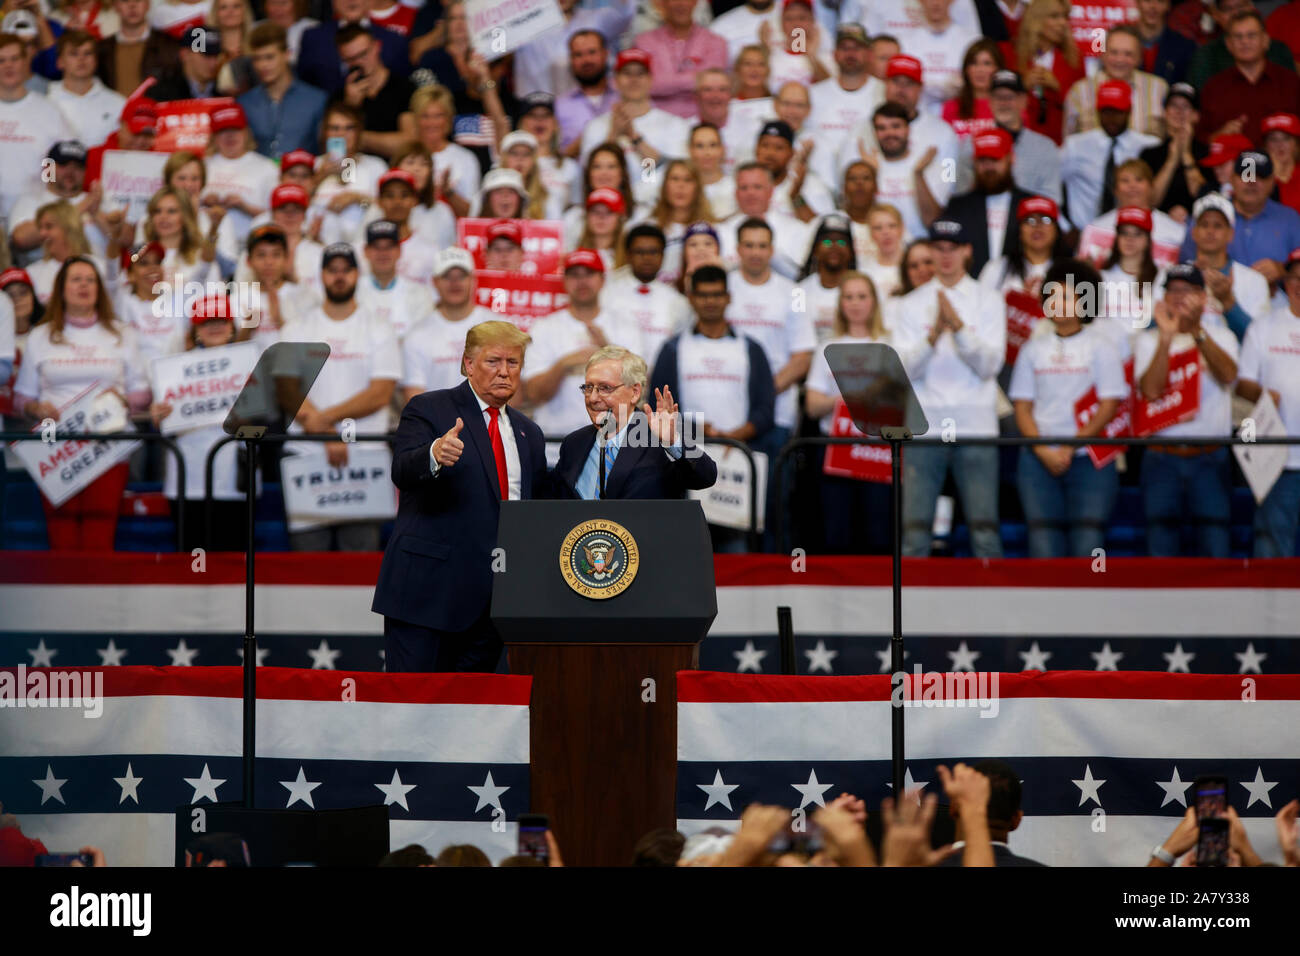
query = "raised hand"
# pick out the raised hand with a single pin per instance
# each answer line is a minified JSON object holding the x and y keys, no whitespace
{"x":448,"y":449}
{"x":926,"y":159}
{"x":663,"y":420}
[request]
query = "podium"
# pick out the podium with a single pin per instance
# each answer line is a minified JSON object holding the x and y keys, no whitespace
{"x":602,"y":602}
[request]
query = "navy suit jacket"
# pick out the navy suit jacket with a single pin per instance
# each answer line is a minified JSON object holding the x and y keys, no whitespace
{"x":1173,"y":56}
{"x":642,"y":472}
{"x":318,"y":57}
{"x":437,"y":569}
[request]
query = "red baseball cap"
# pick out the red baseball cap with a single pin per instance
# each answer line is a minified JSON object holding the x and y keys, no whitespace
{"x":995,"y":144}
{"x":589,"y":258}
{"x":14,"y":274}
{"x":632,"y":55}
{"x":610,"y":198}
{"x":903,"y":65}
{"x":229,"y":117}
{"x":1114,"y":95}
{"x":1134,"y":216}
{"x":1037,"y":206}
{"x":1286,"y":122}
{"x":140,"y":115}
{"x":806,"y":3}
{"x":210,"y":307}
{"x":287,"y":194}
{"x":1291,"y":260}
{"x":1224,"y":149}
{"x":506,"y":229}
{"x":297,"y":157}
{"x":396,"y":176}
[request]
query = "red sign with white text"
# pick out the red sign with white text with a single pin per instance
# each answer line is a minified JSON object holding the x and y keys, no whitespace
{"x":1121,"y":426}
{"x":187,"y":124}
{"x":543,"y":243}
{"x":862,"y":462}
{"x":1090,"y":20}
{"x":518,"y":298}
{"x":1180,"y":400}
{"x":1024,"y":311}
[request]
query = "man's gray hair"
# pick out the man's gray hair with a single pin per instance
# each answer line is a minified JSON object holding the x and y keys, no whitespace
{"x":634,"y":367}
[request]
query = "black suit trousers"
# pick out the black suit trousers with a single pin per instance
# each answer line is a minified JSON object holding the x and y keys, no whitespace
{"x":410,"y":648}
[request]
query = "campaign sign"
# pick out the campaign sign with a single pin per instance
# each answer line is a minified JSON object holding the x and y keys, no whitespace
{"x":518,"y":298}
{"x":129,"y":178}
{"x":727,"y":502}
{"x":543,"y":243}
{"x":1120,"y":426}
{"x":201,"y":385}
{"x":1180,"y":400}
{"x":863,"y":462}
{"x":66,"y":467}
{"x":498,"y":27}
{"x":1024,"y":311}
{"x":187,"y":124}
{"x":316,"y":493}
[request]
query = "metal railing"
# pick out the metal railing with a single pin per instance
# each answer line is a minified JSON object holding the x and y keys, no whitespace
{"x":798,"y":442}
{"x":164,"y":440}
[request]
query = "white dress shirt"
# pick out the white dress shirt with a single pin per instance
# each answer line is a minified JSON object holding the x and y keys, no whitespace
{"x":513,"y":469}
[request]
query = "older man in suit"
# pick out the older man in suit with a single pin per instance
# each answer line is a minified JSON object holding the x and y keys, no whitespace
{"x":458,"y":453}
{"x":646,"y":454}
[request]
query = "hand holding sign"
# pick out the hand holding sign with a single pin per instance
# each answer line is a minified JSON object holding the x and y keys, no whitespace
{"x":448,"y":449}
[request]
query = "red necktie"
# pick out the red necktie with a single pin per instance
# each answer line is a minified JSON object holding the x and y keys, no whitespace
{"x":498,"y":452}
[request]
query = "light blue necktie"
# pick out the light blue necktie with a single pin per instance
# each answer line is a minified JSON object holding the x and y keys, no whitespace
{"x":611,"y":452}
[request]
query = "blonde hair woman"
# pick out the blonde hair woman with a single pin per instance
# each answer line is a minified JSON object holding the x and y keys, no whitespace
{"x":456,"y":173}
{"x":856,"y":512}
{"x":233,"y":19}
{"x":1045,"y":36}
{"x":187,"y":253}
{"x":59,"y":226}
{"x":682,"y":201}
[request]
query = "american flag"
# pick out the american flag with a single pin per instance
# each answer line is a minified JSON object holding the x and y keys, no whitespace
{"x":446,"y":754}
{"x":1107,"y":760}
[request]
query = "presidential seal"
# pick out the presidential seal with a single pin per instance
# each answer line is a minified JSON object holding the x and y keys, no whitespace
{"x":599,"y":559}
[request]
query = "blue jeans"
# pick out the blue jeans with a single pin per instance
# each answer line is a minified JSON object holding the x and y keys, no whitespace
{"x":1066,"y":514}
{"x":1276,"y":518}
{"x":1178,"y":491}
{"x":975,"y":469}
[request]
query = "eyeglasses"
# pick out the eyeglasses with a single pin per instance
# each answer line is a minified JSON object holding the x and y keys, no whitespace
{"x":604,"y":391}
{"x":1038,"y":220}
{"x":842,"y":243}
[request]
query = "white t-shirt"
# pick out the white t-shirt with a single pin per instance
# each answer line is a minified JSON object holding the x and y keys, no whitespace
{"x":786,"y":67}
{"x":896,"y":186}
{"x":159,"y":329}
{"x":713,"y":378}
{"x":923,"y":131}
{"x":58,"y":373}
{"x":1098,"y":238}
{"x":401,"y":305}
{"x":465,"y":170}
{"x":722,"y":197}
{"x":956,"y":377}
{"x":836,"y":113}
{"x":433,"y":349}
{"x":1270,"y":356}
{"x":28,"y":128}
{"x":1213,"y":417}
{"x":252,"y":177}
{"x":659,"y":310}
{"x":346,"y":226}
{"x":940,"y":54}
{"x":667,"y":133}
{"x":819,"y":373}
{"x":766,"y":314}
{"x":94,"y":115}
{"x":1055,"y":372}
{"x":557,"y":335}
{"x":821,"y":304}
{"x":892,"y":16}
{"x":363,"y":348}
{"x":295,"y":300}
{"x":561,"y":177}
{"x":1124,"y":312}
{"x":740,"y":26}
{"x":997,"y":208}
{"x":740,"y":135}
{"x":791,"y":240}
{"x":43,"y":272}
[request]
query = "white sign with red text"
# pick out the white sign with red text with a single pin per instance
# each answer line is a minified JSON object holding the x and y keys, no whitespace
{"x":727,"y":502}
{"x":130,"y":177}
{"x":498,"y":27}
{"x":201,"y":385}
{"x":65,"y":468}
{"x":317,"y":493}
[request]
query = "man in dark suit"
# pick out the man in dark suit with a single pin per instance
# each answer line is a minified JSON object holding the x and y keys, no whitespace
{"x":319,"y":62}
{"x":993,"y":200}
{"x":457,"y":453}
{"x":646,"y":454}
{"x":200,"y":61}
{"x":1004,"y":815}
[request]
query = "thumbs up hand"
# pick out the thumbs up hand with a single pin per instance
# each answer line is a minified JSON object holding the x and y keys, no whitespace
{"x":447,"y":449}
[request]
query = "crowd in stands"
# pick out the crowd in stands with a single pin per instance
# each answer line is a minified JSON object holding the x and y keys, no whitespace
{"x":1051,"y":226}
{"x":981,"y":809}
